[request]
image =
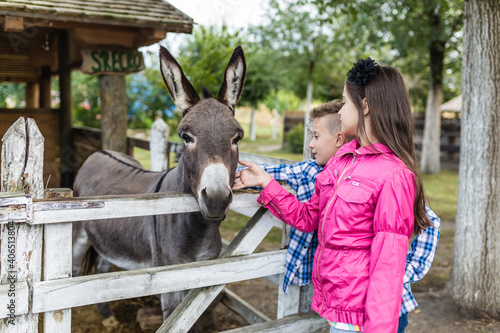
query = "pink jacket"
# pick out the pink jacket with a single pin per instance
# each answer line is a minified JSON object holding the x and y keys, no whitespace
{"x":363,"y":210}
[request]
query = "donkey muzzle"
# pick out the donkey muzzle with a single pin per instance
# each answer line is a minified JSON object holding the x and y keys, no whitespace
{"x":215,"y":195}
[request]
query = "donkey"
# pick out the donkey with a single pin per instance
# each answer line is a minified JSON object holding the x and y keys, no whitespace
{"x":205,"y":169}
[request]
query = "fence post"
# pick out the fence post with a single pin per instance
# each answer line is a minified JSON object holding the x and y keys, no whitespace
{"x":22,"y":170}
{"x":57,"y":262}
{"x":288,"y":304}
{"x":158,"y":145}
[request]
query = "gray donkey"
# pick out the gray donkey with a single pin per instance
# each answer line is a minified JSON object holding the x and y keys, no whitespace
{"x":205,"y":170}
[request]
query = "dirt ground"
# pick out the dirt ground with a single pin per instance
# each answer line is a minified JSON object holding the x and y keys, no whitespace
{"x":436,"y":312}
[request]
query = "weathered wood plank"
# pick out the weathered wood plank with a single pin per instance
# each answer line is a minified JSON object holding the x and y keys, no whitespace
{"x":197,"y":301}
{"x":260,"y":159}
{"x":14,"y":207}
{"x":304,"y":322}
{"x":20,"y":298}
{"x":244,"y":309}
{"x":107,"y":207}
{"x":57,"y":263}
{"x":158,"y":145}
{"x":22,"y":170}
{"x":83,"y":290}
{"x":288,"y":304}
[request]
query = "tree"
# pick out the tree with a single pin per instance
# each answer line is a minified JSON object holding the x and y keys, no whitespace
{"x":475,"y":278}
{"x":205,"y":56}
{"x":304,"y":38}
{"x":261,"y":80}
{"x":421,"y":32}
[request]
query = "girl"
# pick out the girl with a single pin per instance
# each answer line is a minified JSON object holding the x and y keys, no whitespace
{"x":368,"y":200}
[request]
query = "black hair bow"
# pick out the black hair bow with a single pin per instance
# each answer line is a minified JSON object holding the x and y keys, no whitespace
{"x":362,"y":72}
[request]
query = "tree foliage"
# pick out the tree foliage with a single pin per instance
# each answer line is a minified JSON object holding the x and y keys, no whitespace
{"x":11,"y":95}
{"x":262,"y":78}
{"x":404,"y":31}
{"x":147,"y":98}
{"x":310,"y":44}
{"x":85,"y":98}
{"x":206,"y":54}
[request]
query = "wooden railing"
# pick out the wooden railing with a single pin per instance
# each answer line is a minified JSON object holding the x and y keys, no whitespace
{"x":34,"y":227}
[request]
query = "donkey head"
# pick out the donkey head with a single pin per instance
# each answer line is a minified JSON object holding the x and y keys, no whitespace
{"x":210,"y":133}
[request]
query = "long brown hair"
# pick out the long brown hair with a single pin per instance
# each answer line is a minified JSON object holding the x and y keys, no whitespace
{"x":392,"y":124}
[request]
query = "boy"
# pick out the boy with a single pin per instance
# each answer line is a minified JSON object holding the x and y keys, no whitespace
{"x":301,"y":177}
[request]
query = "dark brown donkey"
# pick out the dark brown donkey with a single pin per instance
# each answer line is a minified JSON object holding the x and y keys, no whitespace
{"x":205,"y":170}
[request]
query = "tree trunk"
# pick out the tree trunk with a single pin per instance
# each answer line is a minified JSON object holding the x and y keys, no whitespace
{"x":307,"y":128}
{"x":275,"y":118}
{"x":431,"y":144}
{"x":475,"y":278}
{"x":252,"y":125}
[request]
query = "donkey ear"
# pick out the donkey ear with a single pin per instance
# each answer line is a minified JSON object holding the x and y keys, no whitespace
{"x":178,"y":85}
{"x":234,"y":79}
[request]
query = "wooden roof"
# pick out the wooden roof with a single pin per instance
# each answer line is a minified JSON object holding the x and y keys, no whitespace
{"x":140,"y":13}
{"x":453,"y":105}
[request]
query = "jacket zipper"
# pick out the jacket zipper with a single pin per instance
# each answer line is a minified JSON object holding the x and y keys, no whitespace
{"x":322,"y":226}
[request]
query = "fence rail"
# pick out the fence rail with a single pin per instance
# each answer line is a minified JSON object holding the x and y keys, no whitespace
{"x":36,"y":220}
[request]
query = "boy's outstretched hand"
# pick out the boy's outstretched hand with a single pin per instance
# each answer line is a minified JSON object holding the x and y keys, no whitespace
{"x":253,"y":176}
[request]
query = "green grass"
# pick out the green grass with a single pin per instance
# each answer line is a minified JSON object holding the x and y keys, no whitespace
{"x":442,"y":193}
{"x":233,"y":224}
{"x":144,"y":157}
{"x":281,"y":153}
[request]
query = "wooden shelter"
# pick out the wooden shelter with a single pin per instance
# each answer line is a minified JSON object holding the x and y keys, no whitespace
{"x":452,"y":108}
{"x":43,"y":39}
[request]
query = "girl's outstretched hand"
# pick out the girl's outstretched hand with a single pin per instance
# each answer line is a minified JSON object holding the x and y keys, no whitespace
{"x":253,"y":176}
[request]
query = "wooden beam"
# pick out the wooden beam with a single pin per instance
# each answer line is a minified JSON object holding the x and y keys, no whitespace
{"x":95,"y":37}
{"x":244,"y":309}
{"x":45,"y":88}
{"x":66,"y":120}
{"x":117,"y":206}
{"x":32,"y":95}
{"x":57,"y":262}
{"x":304,"y":322}
{"x":13,"y":24}
{"x":71,"y":292}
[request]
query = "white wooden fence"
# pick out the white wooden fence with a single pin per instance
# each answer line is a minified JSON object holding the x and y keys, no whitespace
{"x":36,"y":223}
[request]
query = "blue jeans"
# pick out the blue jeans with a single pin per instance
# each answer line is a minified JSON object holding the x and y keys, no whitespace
{"x":403,"y":322}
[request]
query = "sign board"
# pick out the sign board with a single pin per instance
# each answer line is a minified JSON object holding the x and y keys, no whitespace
{"x":111,"y":62}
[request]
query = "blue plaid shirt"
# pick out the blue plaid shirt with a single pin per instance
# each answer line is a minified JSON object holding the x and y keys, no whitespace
{"x":302,"y":246}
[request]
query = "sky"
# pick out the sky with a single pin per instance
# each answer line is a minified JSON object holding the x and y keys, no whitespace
{"x":235,"y":13}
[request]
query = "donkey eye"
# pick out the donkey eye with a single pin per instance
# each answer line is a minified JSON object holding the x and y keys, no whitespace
{"x":186,"y":138}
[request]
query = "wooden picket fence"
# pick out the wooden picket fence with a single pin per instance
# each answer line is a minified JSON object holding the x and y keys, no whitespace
{"x":37,"y":223}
